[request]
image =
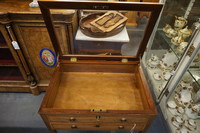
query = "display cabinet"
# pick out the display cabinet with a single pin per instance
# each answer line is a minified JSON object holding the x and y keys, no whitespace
{"x":14,"y":73}
{"x":171,"y":62}
{"x":167,"y":47}
{"x":183,"y":103}
{"x":25,"y":26}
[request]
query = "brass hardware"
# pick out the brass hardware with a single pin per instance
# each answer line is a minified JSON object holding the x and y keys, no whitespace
{"x":98,"y":117}
{"x":124,"y":60}
{"x":123,"y":120}
{"x":98,"y":110}
{"x":97,"y":125}
{"x":73,"y":59}
{"x":72,"y":119}
{"x":166,"y":92}
{"x":190,"y":50}
{"x":101,"y":7}
{"x":74,"y":126}
{"x":121,"y":127}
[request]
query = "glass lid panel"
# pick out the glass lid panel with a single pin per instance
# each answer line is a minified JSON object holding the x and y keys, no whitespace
{"x":97,"y":29}
{"x":100,"y":32}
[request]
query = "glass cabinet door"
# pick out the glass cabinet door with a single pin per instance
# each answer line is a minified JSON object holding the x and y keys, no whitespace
{"x":183,"y":106}
{"x":168,"y":46}
{"x":8,"y":67}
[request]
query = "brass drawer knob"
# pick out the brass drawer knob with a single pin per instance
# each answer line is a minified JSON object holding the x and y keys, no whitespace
{"x":121,"y":127}
{"x":74,"y":127}
{"x":97,"y":125}
{"x":72,"y":119}
{"x":123,"y":120}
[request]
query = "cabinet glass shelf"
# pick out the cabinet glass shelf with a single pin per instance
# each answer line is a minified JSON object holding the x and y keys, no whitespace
{"x":167,"y":41}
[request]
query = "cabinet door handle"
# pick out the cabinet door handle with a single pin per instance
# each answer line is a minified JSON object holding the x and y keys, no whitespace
{"x":123,"y":120}
{"x":133,"y":128}
{"x":74,"y":127}
{"x":72,"y":119}
{"x":121,"y":127}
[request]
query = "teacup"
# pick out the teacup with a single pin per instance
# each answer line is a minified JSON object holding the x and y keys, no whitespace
{"x":190,"y":124}
{"x":187,"y":78}
{"x":185,"y":32}
{"x":171,"y":33}
{"x":177,"y":40}
{"x":180,"y":110}
{"x":177,"y":121}
{"x":181,"y":47}
{"x":192,"y":111}
{"x":153,"y":61}
{"x":167,"y":27}
{"x":179,"y":23}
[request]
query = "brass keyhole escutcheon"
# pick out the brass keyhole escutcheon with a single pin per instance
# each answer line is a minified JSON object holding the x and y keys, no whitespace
{"x":98,"y":118}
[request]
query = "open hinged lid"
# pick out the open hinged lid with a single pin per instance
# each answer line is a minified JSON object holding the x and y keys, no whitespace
{"x":102,"y":29}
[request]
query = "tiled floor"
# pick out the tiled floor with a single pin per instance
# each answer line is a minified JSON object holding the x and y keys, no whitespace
{"x":18,"y":114}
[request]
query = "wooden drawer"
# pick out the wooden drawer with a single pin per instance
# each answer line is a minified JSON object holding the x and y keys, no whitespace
{"x":97,"y":126}
{"x":98,"y":118}
{"x":124,"y":119}
{"x":71,"y":118}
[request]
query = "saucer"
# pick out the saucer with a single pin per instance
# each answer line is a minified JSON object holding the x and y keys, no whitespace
{"x":190,"y":124}
{"x":177,"y":121}
{"x":157,"y":76}
{"x":171,"y":104}
{"x":182,"y":130}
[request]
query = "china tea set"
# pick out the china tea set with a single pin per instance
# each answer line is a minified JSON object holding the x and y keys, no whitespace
{"x":179,"y":33}
{"x":162,"y":68}
{"x":184,"y":111}
{"x":166,"y":63}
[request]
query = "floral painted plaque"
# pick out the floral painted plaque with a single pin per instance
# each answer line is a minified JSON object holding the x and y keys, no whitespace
{"x":48,"y":57}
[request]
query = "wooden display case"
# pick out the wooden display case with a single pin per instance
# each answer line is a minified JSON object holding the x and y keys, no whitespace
{"x":98,"y":92}
{"x":25,"y":25}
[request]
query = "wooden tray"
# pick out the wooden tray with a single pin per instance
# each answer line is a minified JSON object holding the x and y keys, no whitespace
{"x":89,"y":30}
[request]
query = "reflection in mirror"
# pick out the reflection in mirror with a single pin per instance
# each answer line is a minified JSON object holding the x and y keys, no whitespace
{"x":103,"y":32}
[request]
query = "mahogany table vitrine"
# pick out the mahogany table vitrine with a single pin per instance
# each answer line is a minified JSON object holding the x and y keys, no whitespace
{"x":98,"y":92}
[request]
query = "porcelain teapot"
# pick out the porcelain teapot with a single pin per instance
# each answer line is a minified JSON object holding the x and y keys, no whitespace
{"x":179,"y":23}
